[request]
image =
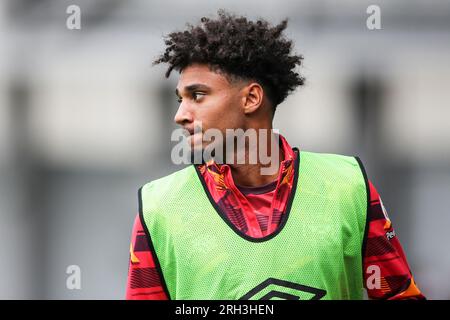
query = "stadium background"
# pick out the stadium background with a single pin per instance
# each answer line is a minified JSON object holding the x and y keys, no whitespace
{"x":85,"y":121}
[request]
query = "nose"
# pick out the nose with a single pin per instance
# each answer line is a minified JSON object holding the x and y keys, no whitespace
{"x":183,"y":115}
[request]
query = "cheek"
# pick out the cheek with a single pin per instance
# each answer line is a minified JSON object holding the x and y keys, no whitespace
{"x":230,"y":111}
{"x":222,"y":111}
{"x":217,"y":113}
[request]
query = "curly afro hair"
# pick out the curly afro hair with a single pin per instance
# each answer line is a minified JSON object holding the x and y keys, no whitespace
{"x":239,"y":48}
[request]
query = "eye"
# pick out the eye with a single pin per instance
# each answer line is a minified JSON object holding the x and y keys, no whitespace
{"x":197,"y":95}
{"x":179,"y":99}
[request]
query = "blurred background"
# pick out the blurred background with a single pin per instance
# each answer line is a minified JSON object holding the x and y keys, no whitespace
{"x":85,"y":121}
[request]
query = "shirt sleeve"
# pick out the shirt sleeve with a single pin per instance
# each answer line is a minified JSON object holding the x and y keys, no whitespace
{"x":144,"y":281}
{"x":386,"y":271}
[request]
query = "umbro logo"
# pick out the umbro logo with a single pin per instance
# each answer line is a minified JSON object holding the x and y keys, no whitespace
{"x":279,"y":289}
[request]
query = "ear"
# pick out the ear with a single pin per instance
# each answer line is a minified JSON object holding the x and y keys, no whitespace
{"x":252,"y":97}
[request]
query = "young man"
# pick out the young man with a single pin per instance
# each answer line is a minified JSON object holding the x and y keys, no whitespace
{"x":315,"y":228}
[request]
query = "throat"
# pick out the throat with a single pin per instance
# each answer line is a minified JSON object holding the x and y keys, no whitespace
{"x":256,"y":175}
{"x":250,"y":176}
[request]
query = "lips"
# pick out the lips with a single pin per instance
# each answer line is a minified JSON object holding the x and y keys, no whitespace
{"x":193,"y":130}
{"x":190,"y":130}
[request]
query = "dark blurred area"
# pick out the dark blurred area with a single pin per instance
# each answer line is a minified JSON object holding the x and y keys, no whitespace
{"x":85,"y":120}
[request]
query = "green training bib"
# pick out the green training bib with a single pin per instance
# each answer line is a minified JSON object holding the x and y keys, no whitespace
{"x":316,"y":253}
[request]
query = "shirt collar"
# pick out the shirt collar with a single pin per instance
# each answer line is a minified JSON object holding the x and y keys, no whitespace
{"x":288,"y":152}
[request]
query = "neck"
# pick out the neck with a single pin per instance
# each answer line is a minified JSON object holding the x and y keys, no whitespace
{"x":266,"y":168}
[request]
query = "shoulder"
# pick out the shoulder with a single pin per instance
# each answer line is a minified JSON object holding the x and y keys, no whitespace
{"x":162,"y":189}
{"x":338,"y":163}
{"x":335,"y":170}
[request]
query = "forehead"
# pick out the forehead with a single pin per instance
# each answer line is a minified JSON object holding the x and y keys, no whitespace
{"x":201,"y":74}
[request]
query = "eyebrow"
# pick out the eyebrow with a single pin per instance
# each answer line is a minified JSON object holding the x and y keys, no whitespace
{"x":193,"y":87}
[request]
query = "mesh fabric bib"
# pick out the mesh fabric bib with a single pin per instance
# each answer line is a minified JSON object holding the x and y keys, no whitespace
{"x":314,"y":254}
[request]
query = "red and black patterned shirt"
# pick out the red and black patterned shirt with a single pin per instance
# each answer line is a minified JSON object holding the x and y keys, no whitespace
{"x":258,"y":211}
